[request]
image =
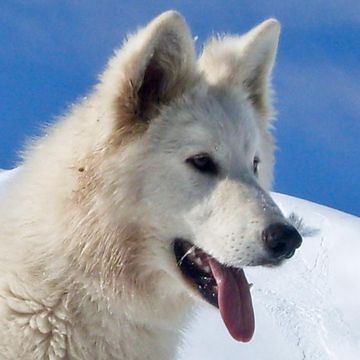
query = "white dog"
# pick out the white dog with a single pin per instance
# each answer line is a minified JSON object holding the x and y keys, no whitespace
{"x":149,"y":194}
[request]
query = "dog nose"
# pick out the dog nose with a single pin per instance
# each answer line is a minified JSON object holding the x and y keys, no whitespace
{"x":281,"y":240}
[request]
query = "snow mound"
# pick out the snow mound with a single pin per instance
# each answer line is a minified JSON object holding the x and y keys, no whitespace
{"x":307,"y":309}
{"x":6,"y":177}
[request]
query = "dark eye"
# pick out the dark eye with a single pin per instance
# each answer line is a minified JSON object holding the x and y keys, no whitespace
{"x":256,"y":163}
{"x":203,"y":163}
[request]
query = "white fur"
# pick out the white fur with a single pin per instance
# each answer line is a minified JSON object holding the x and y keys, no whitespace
{"x":87,"y":267}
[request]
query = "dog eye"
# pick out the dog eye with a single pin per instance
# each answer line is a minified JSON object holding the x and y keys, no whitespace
{"x":256,"y":163}
{"x":203,"y":163}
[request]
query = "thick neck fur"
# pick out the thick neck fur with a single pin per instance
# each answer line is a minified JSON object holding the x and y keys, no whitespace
{"x":76,"y":279}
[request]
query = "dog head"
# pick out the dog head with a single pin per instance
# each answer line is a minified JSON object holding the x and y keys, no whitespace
{"x":192,"y":159}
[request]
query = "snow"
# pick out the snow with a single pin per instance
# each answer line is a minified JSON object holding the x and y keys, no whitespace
{"x":307,"y":309}
{"x":6,"y":176}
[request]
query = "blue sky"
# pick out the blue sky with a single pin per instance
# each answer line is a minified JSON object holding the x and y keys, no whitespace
{"x":51,"y":53}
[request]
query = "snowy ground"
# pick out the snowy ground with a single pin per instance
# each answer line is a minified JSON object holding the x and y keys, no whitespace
{"x":308,"y":309}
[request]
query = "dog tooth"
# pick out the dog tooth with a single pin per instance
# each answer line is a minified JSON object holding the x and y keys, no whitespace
{"x":207,"y":268}
{"x":198,"y":261}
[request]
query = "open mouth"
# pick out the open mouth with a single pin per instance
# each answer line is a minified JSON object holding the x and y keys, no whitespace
{"x":224,"y":287}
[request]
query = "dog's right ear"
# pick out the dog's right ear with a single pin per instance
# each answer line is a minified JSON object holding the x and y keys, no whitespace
{"x":156,"y":65}
{"x":244,"y":63}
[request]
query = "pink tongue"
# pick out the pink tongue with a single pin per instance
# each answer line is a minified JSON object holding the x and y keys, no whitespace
{"x":234,"y":301}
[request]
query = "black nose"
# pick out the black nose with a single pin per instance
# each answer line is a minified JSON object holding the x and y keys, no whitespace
{"x":281,"y":240}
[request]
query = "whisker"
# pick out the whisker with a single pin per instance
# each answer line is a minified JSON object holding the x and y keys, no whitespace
{"x":185,"y":255}
{"x":298,"y":223}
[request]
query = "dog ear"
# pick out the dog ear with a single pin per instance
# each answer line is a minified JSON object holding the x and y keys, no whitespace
{"x":244,"y":63}
{"x":156,"y":65}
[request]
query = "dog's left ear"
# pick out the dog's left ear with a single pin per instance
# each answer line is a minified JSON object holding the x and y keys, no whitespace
{"x":244,"y":63}
{"x":156,"y":65}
